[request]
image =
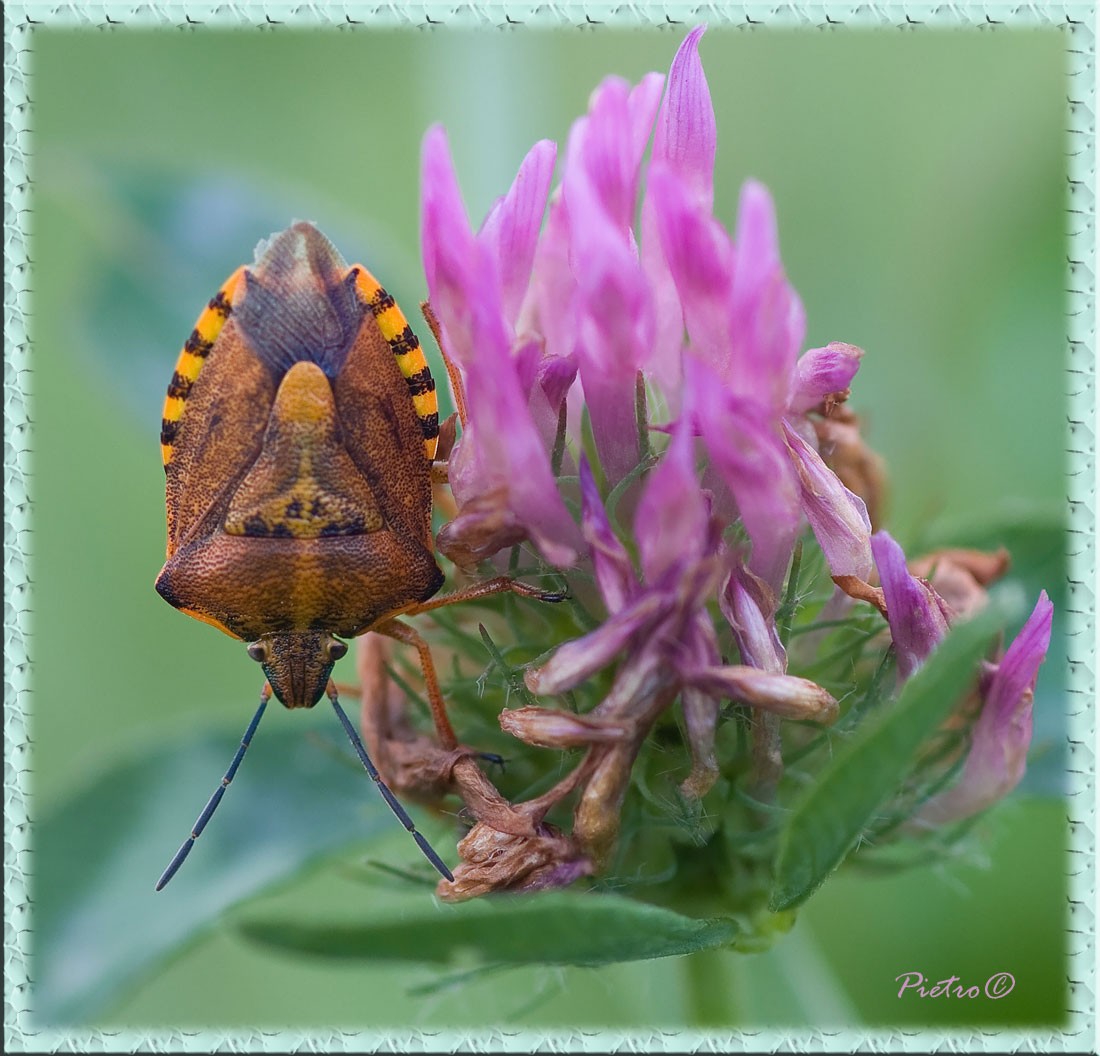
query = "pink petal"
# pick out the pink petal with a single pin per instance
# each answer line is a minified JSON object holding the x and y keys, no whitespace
{"x":838,"y":517}
{"x":685,"y":142}
{"x":511,"y":229}
{"x":642,"y":105}
{"x":579,"y":659}
{"x":686,"y":137}
{"x":616,"y":313}
{"x":602,"y":150}
{"x":768,"y":318}
{"x":699,"y":255}
{"x":614,"y":570}
{"x":747,"y":450}
{"x":671,"y":521}
{"x":663,"y":363}
{"x":466,"y":297}
{"x":445,"y":230}
{"x":553,"y":287}
{"x":757,"y":236}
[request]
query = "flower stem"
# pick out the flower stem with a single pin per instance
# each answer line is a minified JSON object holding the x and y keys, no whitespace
{"x":710,"y":994}
{"x":785,"y":616}
{"x":558,"y":452}
{"x":641,"y":415}
{"x":767,"y":757}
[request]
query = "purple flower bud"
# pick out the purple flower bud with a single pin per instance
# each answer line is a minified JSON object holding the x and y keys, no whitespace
{"x":550,"y":728}
{"x":1001,"y":736}
{"x":749,"y":605}
{"x":821,"y":372}
{"x":917,"y":622}
{"x":785,"y":695}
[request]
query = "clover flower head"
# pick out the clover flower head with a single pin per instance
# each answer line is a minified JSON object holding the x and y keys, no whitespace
{"x":640,"y":417}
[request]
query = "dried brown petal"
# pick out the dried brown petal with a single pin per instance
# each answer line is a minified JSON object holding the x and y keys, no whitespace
{"x":984,"y":567}
{"x":494,"y":861}
{"x":700,"y":721}
{"x":961,"y":576}
{"x":596,"y":819}
{"x":486,"y":804}
{"x":857,"y":588}
{"x":410,"y":762}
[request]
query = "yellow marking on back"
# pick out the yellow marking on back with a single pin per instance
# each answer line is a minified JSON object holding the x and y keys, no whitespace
{"x":304,"y":484}
{"x":192,"y":358}
{"x":406,"y":349}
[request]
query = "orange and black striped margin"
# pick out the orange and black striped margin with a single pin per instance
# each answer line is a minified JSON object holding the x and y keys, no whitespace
{"x":410,"y":356}
{"x":195,"y":350}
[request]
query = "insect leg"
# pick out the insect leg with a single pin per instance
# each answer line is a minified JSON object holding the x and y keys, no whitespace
{"x":216,"y":798}
{"x":499,"y":585}
{"x":404,"y":633}
{"x":387,"y":795}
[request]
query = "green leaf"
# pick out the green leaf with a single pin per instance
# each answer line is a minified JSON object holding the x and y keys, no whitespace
{"x":866,"y":771}
{"x":560,"y":928}
{"x":100,"y":926}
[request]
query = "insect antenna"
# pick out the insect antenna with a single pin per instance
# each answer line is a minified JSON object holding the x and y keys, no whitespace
{"x":387,"y":795}
{"x":216,"y":798}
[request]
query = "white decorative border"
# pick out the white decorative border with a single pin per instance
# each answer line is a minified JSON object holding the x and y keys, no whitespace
{"x":1077,"y":21}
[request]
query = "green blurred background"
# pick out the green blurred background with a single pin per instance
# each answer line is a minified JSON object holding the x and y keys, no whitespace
{"x":919,"y":180}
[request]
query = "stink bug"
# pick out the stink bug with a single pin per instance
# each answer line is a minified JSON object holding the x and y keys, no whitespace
{"x":298,"y":437}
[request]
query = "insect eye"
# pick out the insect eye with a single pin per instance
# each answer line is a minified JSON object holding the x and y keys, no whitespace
{"x":258,"y":651}
{"x":336,"y":648}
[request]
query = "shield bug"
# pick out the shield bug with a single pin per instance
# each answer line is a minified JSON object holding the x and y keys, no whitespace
{"x":298,"y":437}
